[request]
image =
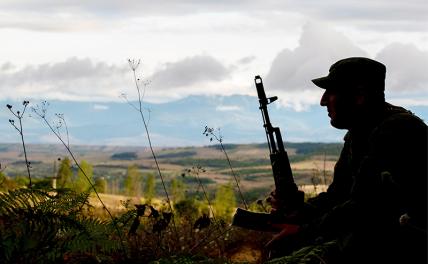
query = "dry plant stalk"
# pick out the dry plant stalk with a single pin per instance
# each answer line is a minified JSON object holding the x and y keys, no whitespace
{"x":18,"y":114}
{"x":41,"y":112}
{"x":134,"y":64}
{"x":209,"y":132}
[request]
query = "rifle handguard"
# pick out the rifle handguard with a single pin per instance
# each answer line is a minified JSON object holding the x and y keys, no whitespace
{"x":255,"y":221}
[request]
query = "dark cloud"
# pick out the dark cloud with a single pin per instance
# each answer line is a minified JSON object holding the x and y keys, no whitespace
{"x":83,"y":79}
{"x":7,"y":66}
{"x":246,"y":60}
{"x":189,"y":71}
{"x":71,"y":79}
{"x":70,"y":70}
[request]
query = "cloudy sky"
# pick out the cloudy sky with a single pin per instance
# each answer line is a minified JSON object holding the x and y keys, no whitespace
{"x":78,"y":50}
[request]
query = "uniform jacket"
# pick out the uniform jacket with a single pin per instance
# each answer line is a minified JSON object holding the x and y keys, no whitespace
{"x":376,"y":206}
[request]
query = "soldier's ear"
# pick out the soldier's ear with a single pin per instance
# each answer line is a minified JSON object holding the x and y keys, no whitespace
{"x":360,"y":94}
{"x":360,"y":99}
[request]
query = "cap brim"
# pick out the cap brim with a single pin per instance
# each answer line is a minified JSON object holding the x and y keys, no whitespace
{"x":322,"y":82}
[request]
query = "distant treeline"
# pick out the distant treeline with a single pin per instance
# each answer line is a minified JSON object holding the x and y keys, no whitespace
{"x":226,"y":146}
{"x":218,"y":163}
{"x":303,"y":148}
{"x":180,"y":154}
{"x":124,"y":156}
{"x":309,"y":148}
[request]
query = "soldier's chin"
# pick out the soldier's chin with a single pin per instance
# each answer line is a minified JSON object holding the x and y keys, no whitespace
{"x":339,"y":124}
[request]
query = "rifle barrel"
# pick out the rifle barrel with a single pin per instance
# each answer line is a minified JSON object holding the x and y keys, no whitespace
{"x":264,"y":101}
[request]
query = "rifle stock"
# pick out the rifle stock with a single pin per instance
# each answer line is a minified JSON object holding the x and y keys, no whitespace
{"x":286,"y":192}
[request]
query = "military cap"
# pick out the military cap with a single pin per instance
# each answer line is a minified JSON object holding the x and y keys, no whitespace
{"x":354,"y":72}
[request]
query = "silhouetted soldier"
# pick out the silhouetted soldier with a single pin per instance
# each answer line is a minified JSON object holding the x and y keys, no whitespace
{"x":376,"y":206}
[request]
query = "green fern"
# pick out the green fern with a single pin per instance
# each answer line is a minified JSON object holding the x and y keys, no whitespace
{"x":40,"y":227}
{"x":191,"y":260}
{"x":308,"y":255}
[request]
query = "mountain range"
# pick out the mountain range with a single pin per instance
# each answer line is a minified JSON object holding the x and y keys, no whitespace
{"x":176,"y":123}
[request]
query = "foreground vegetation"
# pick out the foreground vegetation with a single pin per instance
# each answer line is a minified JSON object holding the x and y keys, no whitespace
{"x":69,"y":224}
{"x":61,"y":226}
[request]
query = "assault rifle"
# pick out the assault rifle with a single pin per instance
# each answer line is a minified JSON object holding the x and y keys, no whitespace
{"x":289,"y":198}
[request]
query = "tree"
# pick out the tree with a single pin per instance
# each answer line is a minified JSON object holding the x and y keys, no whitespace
{"x":65,"y":174}
{"x":101,"y":185}
{"x":177,"y":190}
{"x":82,"y":182}
{"x":225,"y":201}
{"x":149,"y":190}
{"x":6,"y":183}
{"x":114,"y":186}
{"x":133,"y":181}
{"x":187,"y":208}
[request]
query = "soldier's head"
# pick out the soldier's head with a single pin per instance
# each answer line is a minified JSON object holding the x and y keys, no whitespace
{"x":354,"y":88}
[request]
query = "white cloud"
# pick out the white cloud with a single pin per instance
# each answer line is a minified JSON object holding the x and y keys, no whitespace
{"x":227,"y":108}
{"x":63,"y":22}
{"x":388,"y":15}
{"x":380,"y":15}
{"x":406,"y":68}
{"x":73,"y":79}
{"x":292,"y":70}
{"x":84,"y":80}
{"x":319,"y":47}
{"x":196,"y":75}
{"x":289,"y":77}
{"x":406,"y":102}
{"x":189,"y":71}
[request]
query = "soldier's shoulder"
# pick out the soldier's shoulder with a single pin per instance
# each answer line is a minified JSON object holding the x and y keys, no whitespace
{"x":400,"y":118}
{"x":399,"y":114}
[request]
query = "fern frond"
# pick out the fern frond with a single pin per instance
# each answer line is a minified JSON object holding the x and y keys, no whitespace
{"x":41,"y":227}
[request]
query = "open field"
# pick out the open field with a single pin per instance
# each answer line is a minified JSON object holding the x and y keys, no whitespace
{"x":312,"y":163}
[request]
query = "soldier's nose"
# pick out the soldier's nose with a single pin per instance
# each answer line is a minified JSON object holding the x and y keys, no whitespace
{"x":324,"y":99}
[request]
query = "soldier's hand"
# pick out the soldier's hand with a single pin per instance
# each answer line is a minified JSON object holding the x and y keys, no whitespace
{"x":286,"y":230}
{"x":273,"y":201}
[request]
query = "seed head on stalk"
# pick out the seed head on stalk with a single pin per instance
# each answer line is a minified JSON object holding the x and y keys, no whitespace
{"x":134,"y":64}
{"x":210,"y":132}
{"x":20,"y":115}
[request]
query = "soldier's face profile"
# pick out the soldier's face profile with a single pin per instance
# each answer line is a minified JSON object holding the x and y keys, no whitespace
{"x":341,"y":108}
